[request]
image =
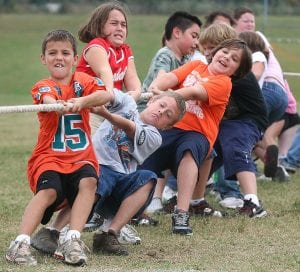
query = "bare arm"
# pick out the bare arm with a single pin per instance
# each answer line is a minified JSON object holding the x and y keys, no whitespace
{"x":125,"y":124}
{"x":258,"y":68}
{"x":131,"y":81}
{"x":98,"y":60}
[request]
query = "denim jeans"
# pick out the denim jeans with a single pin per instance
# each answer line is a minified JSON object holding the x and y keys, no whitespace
{"x":293,"y":155}
{"x":226,"y":187}
{"x":276,"y":100}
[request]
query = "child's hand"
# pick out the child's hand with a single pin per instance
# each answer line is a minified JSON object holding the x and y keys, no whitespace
{"x":136,"y":95}
{"x":101,"y":110}
{"x":153,"y":89}
{"x":75,"y":104}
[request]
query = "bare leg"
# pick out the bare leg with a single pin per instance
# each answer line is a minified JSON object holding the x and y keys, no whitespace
{"x":285,"y":140}
{"x":130,"y":206}
{"x":204,"y":171}
{"x":83,"y":203}
{"x":186,"y":180}
{"x":35,"y":209}
{"x":247,"y":182}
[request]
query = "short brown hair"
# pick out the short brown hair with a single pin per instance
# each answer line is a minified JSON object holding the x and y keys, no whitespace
{"x":59,"y":35}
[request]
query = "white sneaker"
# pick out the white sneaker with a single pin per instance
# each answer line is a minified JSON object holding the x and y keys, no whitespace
{"x":63,"y":233}
{"x":155,"y":205}
{"x":232,"y":202}
{"x":263,"y":178}
{"x":168,"y":193}
{"x":129,"y":236}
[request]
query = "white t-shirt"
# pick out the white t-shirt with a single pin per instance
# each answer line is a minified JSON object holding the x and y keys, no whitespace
{"x":260,"y":57}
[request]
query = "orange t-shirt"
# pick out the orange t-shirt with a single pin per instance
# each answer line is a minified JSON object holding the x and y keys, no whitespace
{"x":64,"y":142}
{"x":204,"y":117}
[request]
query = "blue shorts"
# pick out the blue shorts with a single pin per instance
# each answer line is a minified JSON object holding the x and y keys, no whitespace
{"x":234,"y":146}
{"x":114,"y":187}
{"x":175,"y":142}
{"x":276,"y":100}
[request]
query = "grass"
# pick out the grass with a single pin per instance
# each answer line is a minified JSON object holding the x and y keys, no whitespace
{"x":228,"y":244}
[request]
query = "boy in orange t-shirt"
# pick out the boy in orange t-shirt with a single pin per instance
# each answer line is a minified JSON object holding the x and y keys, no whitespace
{"x":63,"y":167}
{"x":185,"y":146}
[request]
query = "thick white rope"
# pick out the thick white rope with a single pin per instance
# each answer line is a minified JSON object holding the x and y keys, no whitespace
{"x":31,"y":108}
{"x":46,"y":107}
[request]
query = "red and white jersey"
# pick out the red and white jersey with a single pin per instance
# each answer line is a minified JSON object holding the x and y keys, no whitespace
{"x":117,"y":56}
{"x":64,"y":142}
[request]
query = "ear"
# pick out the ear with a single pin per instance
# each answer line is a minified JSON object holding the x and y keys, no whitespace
{"x":43,"y":60}
{"x":75,"y":60}
{"x":176,"y":32}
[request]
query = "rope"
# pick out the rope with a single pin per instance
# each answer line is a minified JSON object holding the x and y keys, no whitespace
{"x":31,"y":108}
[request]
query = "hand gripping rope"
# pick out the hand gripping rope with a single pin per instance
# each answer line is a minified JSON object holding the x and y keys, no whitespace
{"x":46,"y":107}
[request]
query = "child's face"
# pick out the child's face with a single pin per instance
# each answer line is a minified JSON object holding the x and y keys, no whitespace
{"x":115,"y":28}
{"x":245,"y":23}
{"x":188,"y":41}
{"x":207,"y":49}
{"x":59,"y":58}
{"x":226,"y":61}
{"x":161,"y":113}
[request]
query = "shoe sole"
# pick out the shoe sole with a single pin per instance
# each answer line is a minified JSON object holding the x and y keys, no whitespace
{"x":182,"y":233}
{"x":271,"y":161}
{"x":260,"y":215}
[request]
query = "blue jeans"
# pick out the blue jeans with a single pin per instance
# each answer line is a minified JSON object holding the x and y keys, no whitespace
{"x":276,"y":100}
{"x":293,"y":155}
{"x":226,"y":187}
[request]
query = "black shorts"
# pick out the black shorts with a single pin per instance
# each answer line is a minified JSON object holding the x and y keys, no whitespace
{"x":290,"y":120}
{"x":65,"y":185}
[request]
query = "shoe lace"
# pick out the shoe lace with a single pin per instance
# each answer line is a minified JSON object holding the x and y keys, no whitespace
{"x":129,"y":231}
{"x":23,"y":248}
{"x":77,"y":244}
{"x":182,"y":219}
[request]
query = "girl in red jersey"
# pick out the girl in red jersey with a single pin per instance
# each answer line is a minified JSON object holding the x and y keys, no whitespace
{"x":106,"y":55}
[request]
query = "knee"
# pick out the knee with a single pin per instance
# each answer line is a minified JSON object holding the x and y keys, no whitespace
{"x":88,"y":184}
{"x":48,"y":195}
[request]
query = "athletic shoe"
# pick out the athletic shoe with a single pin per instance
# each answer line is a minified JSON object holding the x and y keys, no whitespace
{"x":252,"y":210}
{"x":263,"y":178}
{"x":144,"y":219}
{"x":72,"y":251}
{"x":288,"y":167}
{"x":155,"y":206}
{"x":95,"y":222}
{"x":19,"y":253}
{"x":167,"y":194}
{"x":63,"y":234}
{"x":281,"y":174}
{"x":271,"y":161}
{"x":169,"y":206}
{"x":180,"y":223}
{"x":45,"y":240}
{"x":204,"y":209}
{"x":231,"y":202}
{"x":108,"y":243}
{"x":129,"y":236}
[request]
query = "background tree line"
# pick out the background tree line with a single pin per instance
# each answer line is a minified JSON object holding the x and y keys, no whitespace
{"x":275,"y":7}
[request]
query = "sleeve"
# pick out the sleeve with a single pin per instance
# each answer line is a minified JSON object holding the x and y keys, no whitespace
{"x":91,"y":84}
{"x":183,"y":71}
{"x":122,"y":103}
{"x":41,"y":89}
{"x":147,"y":139}
{"x":98,"y":42}
{"x":218,"y":89}
{"x":259,"y":57}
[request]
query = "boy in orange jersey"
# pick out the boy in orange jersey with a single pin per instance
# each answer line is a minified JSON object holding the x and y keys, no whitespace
{"x":63,"y":167}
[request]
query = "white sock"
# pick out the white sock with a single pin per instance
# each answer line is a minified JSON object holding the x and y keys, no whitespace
{"x":195,"y":202}
{"x":253,"y":198}
{"x":22,"y":237}
{"x":72,"y":234}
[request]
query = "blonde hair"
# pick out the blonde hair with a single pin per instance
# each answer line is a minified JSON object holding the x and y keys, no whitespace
{"x":217,"y":33}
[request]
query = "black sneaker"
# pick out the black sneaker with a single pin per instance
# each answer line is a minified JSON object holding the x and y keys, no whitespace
{"x":144,"y":219}
{"x":107,"y":243}
{"x":169,"y":206}
{"x":271,"y":161}
{"x":45,"y":240}
{"x":252,"y":210}
{"x":204,"y":209}
{"x":180,"y":223}
{"x":95,"y":223}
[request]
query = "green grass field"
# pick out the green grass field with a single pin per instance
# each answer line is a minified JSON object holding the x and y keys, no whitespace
{"x":228,"y":244}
